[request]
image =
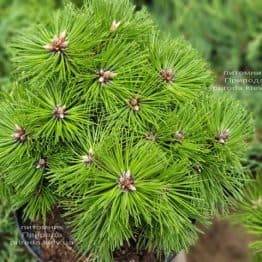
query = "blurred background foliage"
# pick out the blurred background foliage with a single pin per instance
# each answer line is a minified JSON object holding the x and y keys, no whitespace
{"x":11,"y":249}
{"x":228,"y":33}
{"x":16,"y":15}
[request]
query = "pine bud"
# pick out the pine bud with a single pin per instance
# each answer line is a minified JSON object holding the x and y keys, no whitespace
{"x":150,"y":136}
{"x":223,"y":136}
{"x":89,"y":158}
{"x":134,"y":104}
{"x":197,"y":168}
{"x":106,"y":76}
{"x":167,"y":75}
{"x":257,"y":203}
{"x":58,"y":44}
{"x":180,"y":135}
{"x":126,"y":182}
{"x":59,"y":112}
{"x":42,"y":164}
{"x":114,"y":26}
{"x":19,"y":134}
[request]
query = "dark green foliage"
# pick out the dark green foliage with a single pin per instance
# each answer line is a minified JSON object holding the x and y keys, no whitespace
{"x":118,"y":127}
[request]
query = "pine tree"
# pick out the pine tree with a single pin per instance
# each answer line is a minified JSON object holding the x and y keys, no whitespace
{"x":119,"y":127}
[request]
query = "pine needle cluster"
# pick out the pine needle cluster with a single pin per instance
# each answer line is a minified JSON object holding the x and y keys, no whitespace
{"x":118,"y":126}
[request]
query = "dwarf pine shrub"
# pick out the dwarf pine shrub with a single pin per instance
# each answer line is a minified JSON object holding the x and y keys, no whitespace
{"x":119,"y":127}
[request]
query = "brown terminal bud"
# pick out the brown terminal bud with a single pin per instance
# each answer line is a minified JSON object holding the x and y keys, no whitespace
{"x":58,"y":44}
{"x":197,"y":168}
{"x":180,"y":135}
{"x":59,"y":112}
{"x":42,"y":164}
{"x":126,"y":182}
{"x":223,"y":136}
{"x":106,"y":76}
{"x":88,"y":159}
{"x":167,"y":75}
{"x":114,"y":26}
{"x":134,"y":104}
{"x":19,"y":134}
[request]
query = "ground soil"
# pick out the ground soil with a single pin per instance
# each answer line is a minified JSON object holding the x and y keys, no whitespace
{"x":222,"y":242}
{"x":130,"y":254}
